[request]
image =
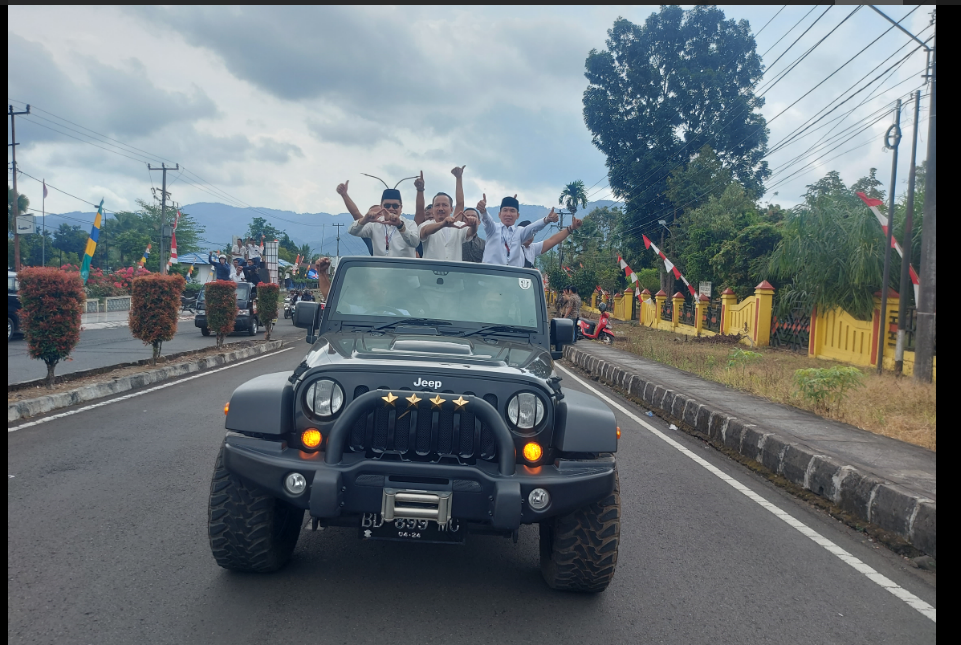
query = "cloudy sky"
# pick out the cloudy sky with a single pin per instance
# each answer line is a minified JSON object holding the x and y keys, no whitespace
{"x":274,"y":106}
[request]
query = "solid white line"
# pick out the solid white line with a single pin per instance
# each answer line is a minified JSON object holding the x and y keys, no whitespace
{"x":886,"y":583}
{"x":142,"y":392}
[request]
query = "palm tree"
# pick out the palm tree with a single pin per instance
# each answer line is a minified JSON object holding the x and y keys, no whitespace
{"x":572,"y":195}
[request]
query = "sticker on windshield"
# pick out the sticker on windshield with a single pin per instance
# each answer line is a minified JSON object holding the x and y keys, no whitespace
{"x":525,"y":283}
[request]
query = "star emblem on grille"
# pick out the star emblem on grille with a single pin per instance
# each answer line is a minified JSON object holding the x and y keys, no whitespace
{"x":460,"y":402}
{"x":437,"y":401}
{"x":390,"y":398}
{"x":413,"y":400}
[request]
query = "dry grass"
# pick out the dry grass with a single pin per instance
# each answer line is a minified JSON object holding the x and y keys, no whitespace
{"x":893,"y":407}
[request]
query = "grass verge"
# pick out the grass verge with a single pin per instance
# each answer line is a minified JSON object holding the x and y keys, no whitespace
{"x":886,"y":405}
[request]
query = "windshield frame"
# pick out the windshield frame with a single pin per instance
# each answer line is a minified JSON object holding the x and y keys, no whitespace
{"x":332,"y":321}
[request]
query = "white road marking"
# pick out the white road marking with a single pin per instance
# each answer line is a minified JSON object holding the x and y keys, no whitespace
{"x":142,"y":392}
{"x":900,"y":592}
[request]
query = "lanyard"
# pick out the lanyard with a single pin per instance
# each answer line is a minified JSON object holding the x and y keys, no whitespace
{"x":387,"y":238}
{"x":506,"y":245}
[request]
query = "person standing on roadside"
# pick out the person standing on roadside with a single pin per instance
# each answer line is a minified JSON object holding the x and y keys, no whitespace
{"x":504,"y":238}
{"x":572,"y":309}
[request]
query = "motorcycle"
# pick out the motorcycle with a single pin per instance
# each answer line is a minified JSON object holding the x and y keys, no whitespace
{"x":600,"y":330}
{"x":288,"y":309}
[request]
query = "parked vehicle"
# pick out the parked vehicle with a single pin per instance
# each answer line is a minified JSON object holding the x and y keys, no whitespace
{"x":287,"y":308}
{"x":600,"y":330}
{"x":13,"y":305}
{"x":427,"y":408}
{"x":247,"y":319}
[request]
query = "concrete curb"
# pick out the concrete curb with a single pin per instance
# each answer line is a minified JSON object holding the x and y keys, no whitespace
{"x":864,"y":495}
{"x":43,"y":404}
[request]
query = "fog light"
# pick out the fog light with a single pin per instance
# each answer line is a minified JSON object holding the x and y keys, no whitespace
{"x":532,"y":451}
{"x":311,"y":438}
{"x":295,"y":483}
{"x":539,"y":499}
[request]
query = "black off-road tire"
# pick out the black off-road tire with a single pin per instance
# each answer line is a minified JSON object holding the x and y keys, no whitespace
{"x":579,"y":550}
{"x":249,"y":529}
{"x":205,"y":331}
{"x":252,"y":330}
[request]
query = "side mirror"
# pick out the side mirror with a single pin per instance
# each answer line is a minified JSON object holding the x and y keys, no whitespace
{"x":562,"y":331}
{"x":305,"y":313}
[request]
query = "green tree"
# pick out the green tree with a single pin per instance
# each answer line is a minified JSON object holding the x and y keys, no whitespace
{"x":306,"y":253}
{"x":130,"y":231}
{"x":70,"y":239}
{"x":693,"y":185}
{"x":661,"y":91}
{"x":573,"y":195}
{"x":260,"y":226}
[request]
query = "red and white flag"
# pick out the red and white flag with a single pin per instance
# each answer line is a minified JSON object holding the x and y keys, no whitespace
{"x":173,"y":248}
{"x":873,"y":205}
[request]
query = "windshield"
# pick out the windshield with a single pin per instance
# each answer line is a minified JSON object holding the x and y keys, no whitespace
{"x":243,"y":292}
{"x":455,"y":296}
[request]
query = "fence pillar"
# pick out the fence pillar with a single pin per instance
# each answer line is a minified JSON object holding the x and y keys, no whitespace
{"x":882,"y":325}
{"x":728,"y":300}
{"x":677,"y":308}
{"x":699,"y":307}
{"x":763,"y":311}
{"x":659,"y":298}
{"x":645,"y":295}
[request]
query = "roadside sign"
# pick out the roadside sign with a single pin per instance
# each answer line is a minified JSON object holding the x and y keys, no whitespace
{"x":26,"y":224}
{"x":704,"y":289}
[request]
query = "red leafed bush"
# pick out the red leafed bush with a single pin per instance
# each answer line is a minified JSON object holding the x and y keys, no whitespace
{"x":52,"y":304}
{"x":220,"y":301}
{"x":154,"y":308}
{"x":268,"y":295}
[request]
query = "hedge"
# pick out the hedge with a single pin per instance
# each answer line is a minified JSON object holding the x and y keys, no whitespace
{"x":220,"y":301}
{"x":52,"y":306}
{"x":268,"y":295}
{"x":155,"y":309}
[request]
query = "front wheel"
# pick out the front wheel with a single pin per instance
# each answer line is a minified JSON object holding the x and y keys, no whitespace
{"x":579,"y":550}
{"x":11,"y":327}
{"x":249,"y":530}
{"x":252,"y":330}
{"x":205,"y":331}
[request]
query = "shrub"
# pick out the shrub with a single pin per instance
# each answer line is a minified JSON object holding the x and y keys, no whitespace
{"x":826,"y":384}
{"x":220,"y":298}
{"x":155,"y":308}
{"x":192,"y":289}
{"x":268,"y":296}
{"x":52,"y":302}
{"x":741,"y":357}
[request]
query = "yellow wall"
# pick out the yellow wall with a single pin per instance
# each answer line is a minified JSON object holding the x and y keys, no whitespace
{"x":740,"y":317}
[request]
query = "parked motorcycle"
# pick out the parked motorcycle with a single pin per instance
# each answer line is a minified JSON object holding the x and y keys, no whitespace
{"x":599,"y":330}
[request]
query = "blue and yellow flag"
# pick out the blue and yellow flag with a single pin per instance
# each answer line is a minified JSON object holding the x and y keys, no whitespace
{"x":146,"y":254}
{"x":91,"y":244}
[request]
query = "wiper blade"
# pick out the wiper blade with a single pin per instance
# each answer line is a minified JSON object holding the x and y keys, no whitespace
{"x":410,"y":321}
{"x":510,"y":329}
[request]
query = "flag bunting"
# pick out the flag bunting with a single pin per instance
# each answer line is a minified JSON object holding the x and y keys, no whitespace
{"x":873,"y":205}
{"x":91,"y":244}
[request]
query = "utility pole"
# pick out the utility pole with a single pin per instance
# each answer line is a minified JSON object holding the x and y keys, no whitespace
{"x":323,"y":231}
{"x":163,"y":211}
{"x":927,"y":290}
{"x":16,"y":196}
{"x":560,"y":247}
{"x":906,"y":244}
{"x":894,"y":132}
{"x":338,"y":241}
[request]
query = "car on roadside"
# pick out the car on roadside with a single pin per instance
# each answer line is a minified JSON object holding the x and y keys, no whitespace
{"x":427,"y":409}
{"x":247,"y":320}
{"x":13,"y":305}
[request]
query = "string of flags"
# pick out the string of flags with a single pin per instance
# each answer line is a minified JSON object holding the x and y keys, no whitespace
{"x":630,"y":276}
{"x":91,"y":244}
{"x":648,"y":244}
{"x":873,"y":205}
{"x":146,"y":254}
{"x":173,"y":243}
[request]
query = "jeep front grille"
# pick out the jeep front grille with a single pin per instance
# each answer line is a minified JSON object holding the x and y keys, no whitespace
{"x":423,"y":434}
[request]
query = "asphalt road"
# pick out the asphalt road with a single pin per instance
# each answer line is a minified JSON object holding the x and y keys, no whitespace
{"x":103,"y":347}
{"x":106,"y":543}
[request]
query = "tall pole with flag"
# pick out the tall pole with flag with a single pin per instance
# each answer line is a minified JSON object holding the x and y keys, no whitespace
{"x":43,"y":226}
{"x":173,"y":243}
{"x":91,"y":244}
{"x":146,"y":254}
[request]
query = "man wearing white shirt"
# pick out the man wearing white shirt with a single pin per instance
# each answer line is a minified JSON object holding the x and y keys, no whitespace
{"x":504,"y":238}
{"x":390,"y":234}
{"x":444,"y":238}
{"x":254,"y":251}
{"x":238,"y":251}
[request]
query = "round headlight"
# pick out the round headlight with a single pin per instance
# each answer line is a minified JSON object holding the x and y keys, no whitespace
{"x":525,"y":410}
{"x":324,"y":398}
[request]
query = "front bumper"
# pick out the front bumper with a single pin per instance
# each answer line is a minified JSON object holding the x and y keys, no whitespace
{"x":241,"y":323}
{"x":481,"y":493}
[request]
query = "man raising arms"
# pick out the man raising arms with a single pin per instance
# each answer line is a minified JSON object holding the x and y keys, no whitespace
{"x":504,"y":239}
{"x":532,"y":249}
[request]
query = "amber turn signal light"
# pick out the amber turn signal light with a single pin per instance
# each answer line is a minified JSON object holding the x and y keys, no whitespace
{"x":311,"y":438}
{"x":532,"y":451}
{"x":618,"y":432}
{"x":226,"y":407}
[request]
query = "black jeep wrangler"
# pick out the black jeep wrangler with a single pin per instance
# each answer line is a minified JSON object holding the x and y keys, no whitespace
{"x":427,"y":408}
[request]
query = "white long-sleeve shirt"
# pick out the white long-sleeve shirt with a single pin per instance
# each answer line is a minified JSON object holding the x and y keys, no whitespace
{"x":505,"y":243}
{"x":388,"y":240}
{"x":254,"y":250}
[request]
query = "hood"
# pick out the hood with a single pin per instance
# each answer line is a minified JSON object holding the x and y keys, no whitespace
{"x":388,"y":351}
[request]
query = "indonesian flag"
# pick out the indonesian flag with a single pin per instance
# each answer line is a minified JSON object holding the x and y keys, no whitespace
{"x":656,"y":250}
{"x":45,"y":189}
{"x":173,"y":248}
{"x":873,"y":205}
{"x":647,"y":242}
{"x":669,"y":265}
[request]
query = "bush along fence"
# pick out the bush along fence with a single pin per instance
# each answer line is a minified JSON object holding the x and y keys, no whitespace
{"x":835,"y":335}
{"x":221,"y":305}
{"x":52,"y":304}
{"x":155,"y":307}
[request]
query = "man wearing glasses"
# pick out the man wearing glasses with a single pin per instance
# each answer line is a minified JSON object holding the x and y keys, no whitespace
{"x":390,"y":234}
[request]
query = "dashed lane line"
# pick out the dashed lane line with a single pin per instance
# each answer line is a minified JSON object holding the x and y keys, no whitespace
{"x":884,"y":582}
{"x":142,"y":392}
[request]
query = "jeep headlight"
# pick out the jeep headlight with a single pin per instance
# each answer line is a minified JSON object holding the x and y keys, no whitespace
{"x":525,"y":410}
{"x":324,"y":398}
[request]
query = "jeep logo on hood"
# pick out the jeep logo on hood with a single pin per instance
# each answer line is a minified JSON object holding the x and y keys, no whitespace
{"x":431,"y":385}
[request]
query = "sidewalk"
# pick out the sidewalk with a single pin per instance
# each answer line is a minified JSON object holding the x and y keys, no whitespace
{"x":880,"y":480}
{"x":112,"y":319}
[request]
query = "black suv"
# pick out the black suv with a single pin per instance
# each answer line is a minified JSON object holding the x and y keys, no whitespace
{"x":246,"y":321}
{"x":427,"y":408}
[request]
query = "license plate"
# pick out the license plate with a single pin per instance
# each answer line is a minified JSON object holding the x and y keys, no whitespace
{"x":373,"y":527}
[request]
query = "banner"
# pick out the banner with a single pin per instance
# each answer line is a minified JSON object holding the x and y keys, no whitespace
{"x":91,"y":244}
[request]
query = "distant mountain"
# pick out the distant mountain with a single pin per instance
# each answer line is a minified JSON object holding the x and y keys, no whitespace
{"x":318,"y":230}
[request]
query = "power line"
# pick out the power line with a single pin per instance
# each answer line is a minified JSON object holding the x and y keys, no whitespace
{"x":816,"y":20}
{"x":769,"y":21}
{"x":789,"y":31}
